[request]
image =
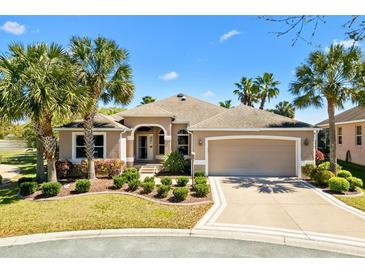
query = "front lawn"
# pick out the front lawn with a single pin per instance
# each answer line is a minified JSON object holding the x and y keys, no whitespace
{"x":358,"y":202}
{"x":24,"y":159}
{"x":356,"y":170}
{"x":104,"y":211}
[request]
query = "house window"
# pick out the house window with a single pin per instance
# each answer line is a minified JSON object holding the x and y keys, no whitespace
{"x":358,"y":135}
{"x":339,"y":135}
{"x":99,"y":146}
{"x":161,"y":142}
{"x":183,"y":141}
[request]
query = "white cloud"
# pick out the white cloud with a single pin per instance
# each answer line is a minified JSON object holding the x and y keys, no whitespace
{"x":169,"y":76}
{"x":345,"y":43}
{"x":13,"y":28}
{"x":208,"y":93}
{"x":228,"y":35}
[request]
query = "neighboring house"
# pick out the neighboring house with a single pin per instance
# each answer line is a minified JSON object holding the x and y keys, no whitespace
{"x":238,"y":141}
{"x":350,"y":127}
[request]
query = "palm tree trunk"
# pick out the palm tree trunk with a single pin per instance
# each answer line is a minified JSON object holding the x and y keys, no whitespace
{"x":332,"y":137}
{"x":89,"y":142}
{"x":263,"y":101}
{"x":40,"y":161}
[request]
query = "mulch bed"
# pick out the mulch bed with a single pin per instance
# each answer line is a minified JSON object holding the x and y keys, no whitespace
{"x":102,"y":185}
{"x":357,"y":192}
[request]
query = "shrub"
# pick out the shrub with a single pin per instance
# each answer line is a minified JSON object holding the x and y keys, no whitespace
{"x":322,"y":176}
{"x":51,"y":189}
{"x":180,"y":193}
{"x":27,"y":188}
{"x":182,"y":181}
{"x":119,"y":181}
{"x":338,"y":184}
{"x":319,"y":156}
{"x":148,"y":186}
{"x":82,"y":185}
{"x":308,"y":169}
{"x":133,"y":184}
{"x":199,"y":173}
{"x":149,"y":179}
{"x":354,"y":182}
{"x":79,"y":170}
{"x":163,"y":191}
{"x":167,"y":181}
{"x":344,"y":174}
{"x":25,"y":179}
{"x":64,"y":168}
{"x":201,"y":190}
{"x":108,"y":167}
{"x":200,"y":180}
{"x":174,"y":162}
{"x":326,"y":165}
{"x":131,"y":174}
{"x":1,"y":179}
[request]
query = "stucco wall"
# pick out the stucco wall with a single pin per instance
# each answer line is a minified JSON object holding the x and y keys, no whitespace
{"x":349,"y":143}
{"x":131,"y":122}
{"x":174,"y":129}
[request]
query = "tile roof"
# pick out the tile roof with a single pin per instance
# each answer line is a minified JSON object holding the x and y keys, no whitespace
{"x":353,"y":114}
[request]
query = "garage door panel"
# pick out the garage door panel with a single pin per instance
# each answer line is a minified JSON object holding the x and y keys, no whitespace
{"x":251,"y":157}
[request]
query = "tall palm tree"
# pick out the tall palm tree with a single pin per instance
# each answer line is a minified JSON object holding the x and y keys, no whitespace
{"x":329,"y":78}
{"x":226,"y":104}
{"x":105,"y":76}
{"x":268,"y":88}
{"x":147,"y":100}
{"x":284,"y":108}
{"x":246,"y":91}
{"x":38,"y":82}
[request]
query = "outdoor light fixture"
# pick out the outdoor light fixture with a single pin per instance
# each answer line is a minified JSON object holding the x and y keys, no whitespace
{"x":306,"y":141}
{"x":200,"y":142}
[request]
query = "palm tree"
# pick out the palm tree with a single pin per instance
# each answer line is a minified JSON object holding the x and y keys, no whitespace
{"x":246,"y":91}
{"x":147,"y":100}
{"x":330,"y":78}
{"x":105,"y":76}
{"x":38,"y":82}
{"x":268,"y":88}
{"x":226,"y":104}
{"x":284,"y":108}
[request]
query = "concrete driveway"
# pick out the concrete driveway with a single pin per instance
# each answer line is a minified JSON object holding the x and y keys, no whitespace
{"x":284,"y":203}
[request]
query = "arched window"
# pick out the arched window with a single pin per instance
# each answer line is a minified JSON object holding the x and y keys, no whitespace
{"x":183,"y":141}
{"x":161,"y":142}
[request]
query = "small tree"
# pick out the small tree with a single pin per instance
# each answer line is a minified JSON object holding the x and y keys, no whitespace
{"x":267,"y":88}
{"x":284,"y":108}
{"x":247,"y":91}
{"x":147,"y":100}
{"x":226,"y":104}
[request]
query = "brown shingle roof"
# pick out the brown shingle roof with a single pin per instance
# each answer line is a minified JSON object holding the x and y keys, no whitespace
{"x":353,"y":114}
{"x":100,"y":121}
{"x":148,"y":110}
{"x":244,"y":116}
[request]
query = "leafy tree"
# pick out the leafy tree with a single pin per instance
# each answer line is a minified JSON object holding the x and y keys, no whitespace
{"x":284,"y":108}
{"x":329,"y":78}
{"x":247,"y":91}
{"x":106,"y":76}
{"x":147,"y":100}
{"x":226,"y":104}
{"x":110,"y":110}
{"x":267,"y":88}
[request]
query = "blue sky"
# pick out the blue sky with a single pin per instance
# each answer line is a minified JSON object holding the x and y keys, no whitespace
{"x":198,"y":55}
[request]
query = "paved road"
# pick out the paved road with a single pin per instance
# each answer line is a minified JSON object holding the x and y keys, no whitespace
{"x":142,"y":247}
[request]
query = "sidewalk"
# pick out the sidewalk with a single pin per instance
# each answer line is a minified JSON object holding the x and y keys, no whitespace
{"x":8,"y":172}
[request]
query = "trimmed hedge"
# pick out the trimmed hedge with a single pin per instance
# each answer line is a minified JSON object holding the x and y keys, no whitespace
{"x":200,"y":180}
{"x":82,"y":185}
{"x":201,"y":190}
{"x":344,"y":174}
{"x":199,"y":173}
{"x":354,"y":182}
{"x":308,"y":170}
{"x":180,"y":193}
{"x":174,"y":162}
{"x":163,"y":191}
{"x":25,"y":179}
{"x":119,"y":181}
{"x":322,"y":176}
{"x":338,"y":184}
{"x":167,"y":181}
{"x":326,"y":165}
{"x":133,"y":184}
{"x":51,"y":189}
{"x":148,"y":184}
{"x":182,"y":181}
{"x":28,"y":188}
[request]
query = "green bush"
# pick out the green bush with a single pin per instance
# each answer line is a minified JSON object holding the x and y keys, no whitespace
{"x":338,"y":184}
{"x":167,"y":181}
{"x":119,"y":181}
{"x":322,"y":176}
{"x":201,"y":190}
{"x":326,"y":165}
{"x":133,"y":184}
{"x":200,"y":180}
{"x":354,"y":182}
{"x":25,"y":179}
{"x":82,"y":185}
{"x":163,"y":191}
{"x":182,"y":181}
{"x":51,"y":189}
{"x":148,"y":186}
{"x":149,"y":179}
{"x":308,"y":169}
{"x":1,"y":179}
{"x":174,"y":162}
{"x":28,"y":188}
{"x":344,"y":174}
{"x":131,"y":174}
{"x":180,"y":193}
{"x":199,"y":173}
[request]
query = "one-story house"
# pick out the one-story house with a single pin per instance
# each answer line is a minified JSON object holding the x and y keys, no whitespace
{"x":350,"y":126}
{"x":238,"y":141}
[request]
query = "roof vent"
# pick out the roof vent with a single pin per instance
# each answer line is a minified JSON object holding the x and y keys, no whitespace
{"x":183,"y":98}
{"x":180,"y":95}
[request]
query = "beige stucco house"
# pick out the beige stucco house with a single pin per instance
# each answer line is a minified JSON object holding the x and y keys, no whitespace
{"x":238,"y":141}
{"x":350,"y":126}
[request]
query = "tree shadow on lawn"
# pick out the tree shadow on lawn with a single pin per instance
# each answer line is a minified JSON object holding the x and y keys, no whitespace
{"x":8,"y":194}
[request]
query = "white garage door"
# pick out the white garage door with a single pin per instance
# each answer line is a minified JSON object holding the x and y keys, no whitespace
{"x":251,"y":157}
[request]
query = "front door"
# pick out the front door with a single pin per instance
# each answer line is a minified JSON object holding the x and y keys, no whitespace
{"x":145,"y":147}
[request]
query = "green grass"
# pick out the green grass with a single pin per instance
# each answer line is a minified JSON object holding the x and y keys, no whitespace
{"x":357,"y":202}
{"x":25,"y":160}
{"x":356,"y":170}
{"x":104,"y":211}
